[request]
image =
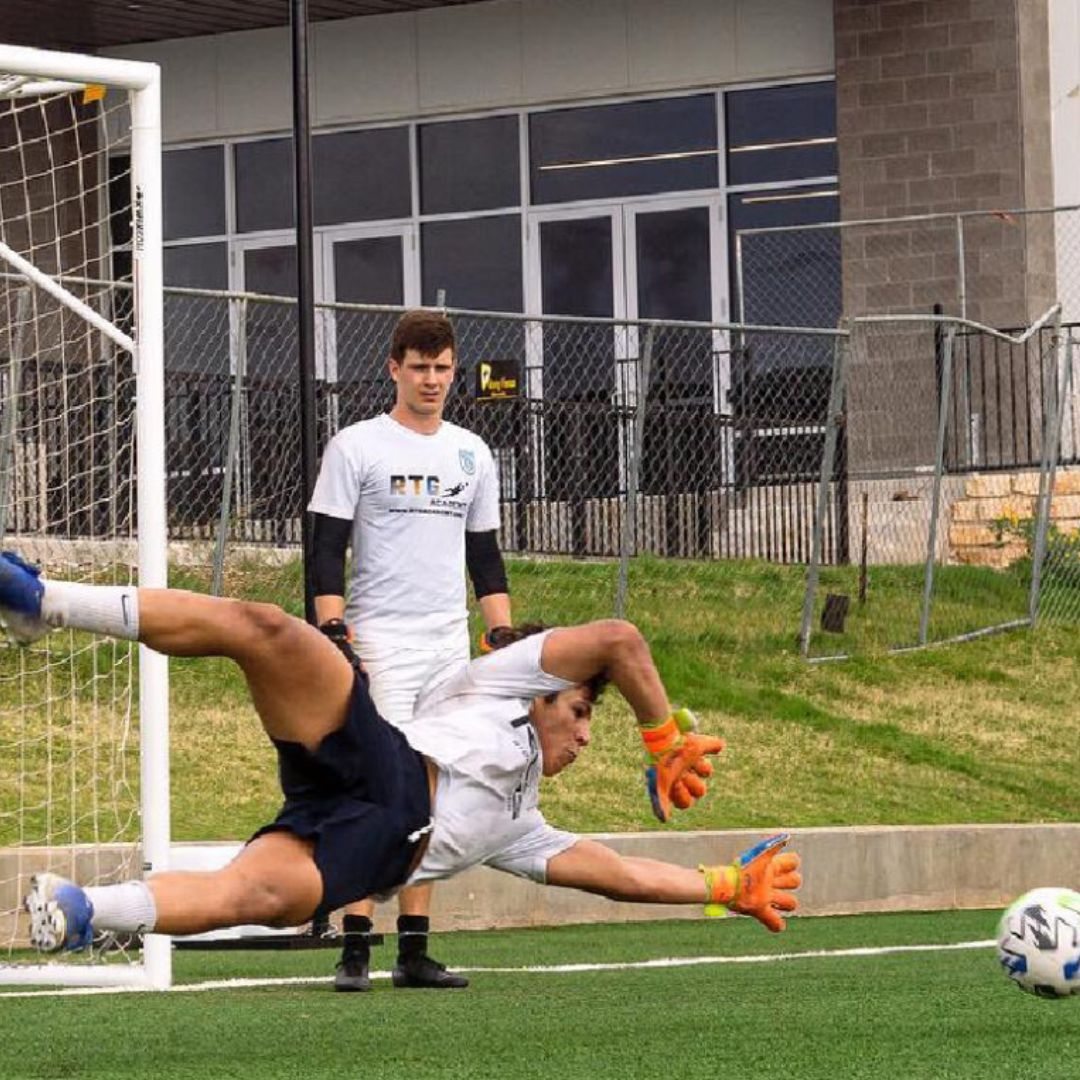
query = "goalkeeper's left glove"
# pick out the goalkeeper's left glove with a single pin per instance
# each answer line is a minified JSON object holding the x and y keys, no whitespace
{"x":761,"y":882}
{"x":676,"y":766}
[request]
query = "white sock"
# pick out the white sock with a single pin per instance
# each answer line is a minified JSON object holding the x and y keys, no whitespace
{"x":104,"y":609}
{"x":128,"y":906}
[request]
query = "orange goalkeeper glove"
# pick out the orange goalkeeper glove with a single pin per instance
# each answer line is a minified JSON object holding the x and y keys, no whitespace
{"x":676,"y":766}
{"x":496,"y":638}
{"x":761,"y":882}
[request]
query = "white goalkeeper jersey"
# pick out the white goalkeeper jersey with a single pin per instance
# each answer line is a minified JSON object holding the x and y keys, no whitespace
{"x":475,"y":726}
{"x":411,"y":498}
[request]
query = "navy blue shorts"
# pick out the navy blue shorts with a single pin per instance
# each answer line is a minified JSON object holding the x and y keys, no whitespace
{"x":359,"y":796}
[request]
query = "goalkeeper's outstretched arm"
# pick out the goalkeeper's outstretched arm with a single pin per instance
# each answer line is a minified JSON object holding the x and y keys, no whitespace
{"x":676,"y":757}
{"x":760,"y":882}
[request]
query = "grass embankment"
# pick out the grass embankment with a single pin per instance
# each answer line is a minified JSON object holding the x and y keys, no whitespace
{"x":981,"y":732}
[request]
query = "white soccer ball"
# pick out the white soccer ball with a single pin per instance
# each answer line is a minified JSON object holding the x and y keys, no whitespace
{"x":1038,"y":942}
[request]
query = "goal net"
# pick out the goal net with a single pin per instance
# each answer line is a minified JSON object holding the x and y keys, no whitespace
{"x":83,"y":721}
{"x":951,"y":433}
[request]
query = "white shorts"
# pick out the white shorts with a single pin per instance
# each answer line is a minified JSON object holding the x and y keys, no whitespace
{"x":396,"y":677}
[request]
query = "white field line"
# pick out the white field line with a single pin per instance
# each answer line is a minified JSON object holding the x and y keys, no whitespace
{"x":540,"y":969}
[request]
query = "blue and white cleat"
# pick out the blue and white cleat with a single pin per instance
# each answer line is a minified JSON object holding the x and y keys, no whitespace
{"x":21,"y":591}
{"x":61,"y":915}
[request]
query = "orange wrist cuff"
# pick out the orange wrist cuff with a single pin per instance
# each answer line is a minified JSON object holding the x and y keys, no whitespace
{"x":721,"y":884}
{"x":662,"y":737}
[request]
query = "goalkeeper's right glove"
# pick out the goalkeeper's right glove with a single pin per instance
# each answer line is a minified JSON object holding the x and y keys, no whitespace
{"x":761,"y":883}
{"x":339,"y":632}
{"x":676,"y":765}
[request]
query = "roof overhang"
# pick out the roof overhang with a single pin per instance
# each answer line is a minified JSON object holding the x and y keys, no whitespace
{"x":90,"y":25}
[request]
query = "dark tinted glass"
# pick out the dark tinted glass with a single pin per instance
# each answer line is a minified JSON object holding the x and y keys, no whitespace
{"x":576,"y":267}
{"x":197,"y":266}
{"x":271,"y":328}
{"x":270,"y":270}
{"x":196,"y":328}
{"x":469,"y":165}
{"x":120,"y":199}
{"x":674,"y":281}
{"x":788,"y":278}
{"x":361,"y":176}
{"x":264,"y":185}
{"x":639,"y":148}
{"x":477,"y":262}
{"x":369,"y":270}
{"x":764,"y":128}
{"x":674,"y":270}
{"x":194,"y":192}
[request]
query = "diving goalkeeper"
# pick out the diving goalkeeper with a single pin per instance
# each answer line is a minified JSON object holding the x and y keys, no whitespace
{"x":366,"y":810}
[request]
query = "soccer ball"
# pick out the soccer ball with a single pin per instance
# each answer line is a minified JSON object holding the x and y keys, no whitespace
{"x":1038,"y":942}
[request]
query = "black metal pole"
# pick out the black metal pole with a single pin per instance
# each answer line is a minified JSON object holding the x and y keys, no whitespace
{"x":305,"y":286}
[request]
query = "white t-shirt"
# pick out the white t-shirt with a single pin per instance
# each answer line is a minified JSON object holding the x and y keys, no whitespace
{"x":411,"y":498}
{"x":475,"y":726}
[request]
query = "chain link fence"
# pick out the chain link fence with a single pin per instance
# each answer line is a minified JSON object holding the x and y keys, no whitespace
{"x":621,"y":441}
{"x":997,"y":268}
{"x":957,"y":528}
{"x":635,"y":456}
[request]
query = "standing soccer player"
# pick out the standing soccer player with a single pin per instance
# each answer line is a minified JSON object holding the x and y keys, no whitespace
{"x":417,"y":500}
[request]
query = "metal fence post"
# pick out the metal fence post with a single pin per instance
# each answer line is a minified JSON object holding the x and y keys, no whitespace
{"x":232,"y":450}
{"x":629,"y":531}
{"x":939,"y":467}
{"x":1048,"y":465}
{"x":833,"y":421}
{"x":11,"y":405}
{"x":739,"y":276}
{"x":961,"y":268}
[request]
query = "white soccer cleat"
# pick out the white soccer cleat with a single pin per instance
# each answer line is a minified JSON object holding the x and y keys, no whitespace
{"x":60,"y":914}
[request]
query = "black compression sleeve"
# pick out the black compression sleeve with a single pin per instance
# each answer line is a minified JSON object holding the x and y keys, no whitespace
{"x":485,"y":564}
{"x":330,"y":540}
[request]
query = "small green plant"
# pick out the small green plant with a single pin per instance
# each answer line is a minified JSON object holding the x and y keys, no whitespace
{"x":1062,"y":545}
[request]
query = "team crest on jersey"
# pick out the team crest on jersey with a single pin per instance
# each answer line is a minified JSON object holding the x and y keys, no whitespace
{"x":468,"y":461}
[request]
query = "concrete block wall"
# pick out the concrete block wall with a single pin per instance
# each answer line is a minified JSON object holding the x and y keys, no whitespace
{"x":944,"y":106}
{"x":846,"y":871}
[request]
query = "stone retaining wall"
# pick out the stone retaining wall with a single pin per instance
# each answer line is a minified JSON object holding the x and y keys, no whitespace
{"x":1008,"y":497}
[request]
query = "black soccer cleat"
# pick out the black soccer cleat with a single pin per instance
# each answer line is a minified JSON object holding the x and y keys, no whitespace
{"x":423,"y":973}
{"x":352,"y":974}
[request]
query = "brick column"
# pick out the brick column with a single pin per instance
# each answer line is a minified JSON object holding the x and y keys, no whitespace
{"x":944,"y":105}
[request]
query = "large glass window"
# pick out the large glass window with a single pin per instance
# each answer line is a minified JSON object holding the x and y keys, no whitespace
{"x":469,"y":165}
{"x":264,"y":185}
{"x":194,"y":192}
{"x":477,"y":261}
{"x":369,"y":270}
{"x":787,"y":278}
{"x":361,"y":176}
{"x":639,"y":148}
{"x":781,"y":133}
{"x":197,"y":266}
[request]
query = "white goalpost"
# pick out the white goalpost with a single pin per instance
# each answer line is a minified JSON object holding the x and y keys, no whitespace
{"x":84,"y":767}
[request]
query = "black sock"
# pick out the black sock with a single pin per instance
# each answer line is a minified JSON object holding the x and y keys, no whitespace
{"x":412,"y":936}
{"x":356,"y":929}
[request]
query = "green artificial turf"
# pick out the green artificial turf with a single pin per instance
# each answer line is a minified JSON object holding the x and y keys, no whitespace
{"x":929,"y":1014}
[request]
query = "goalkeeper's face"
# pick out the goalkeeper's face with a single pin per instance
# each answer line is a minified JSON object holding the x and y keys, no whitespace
{"x":562,"y":724}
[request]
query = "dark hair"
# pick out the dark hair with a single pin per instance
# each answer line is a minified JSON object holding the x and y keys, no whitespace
{"x":428,"y":332}
{"x":507,"y":635}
